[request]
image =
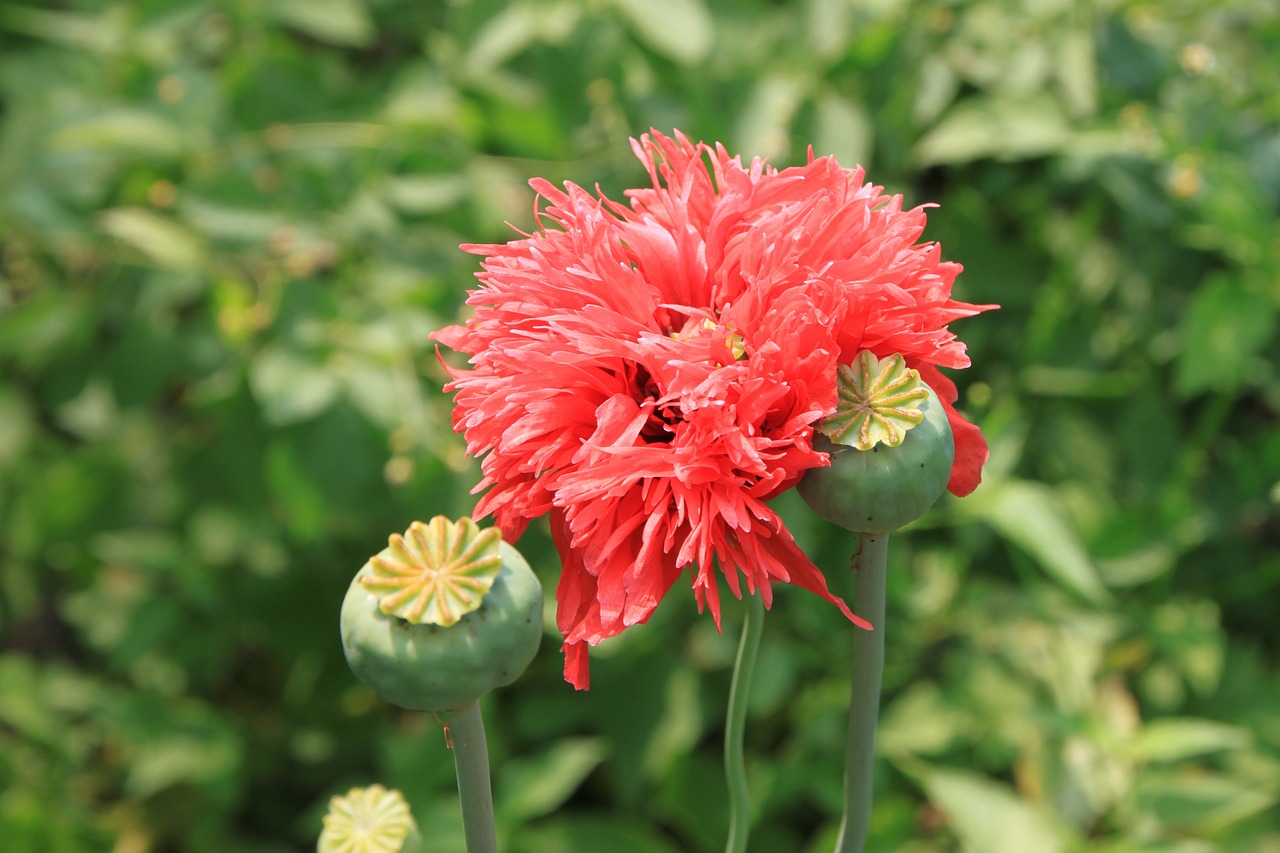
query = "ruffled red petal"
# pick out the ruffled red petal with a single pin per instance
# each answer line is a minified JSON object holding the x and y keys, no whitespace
{"x":651,"y":373}
{"x":971,"y":445}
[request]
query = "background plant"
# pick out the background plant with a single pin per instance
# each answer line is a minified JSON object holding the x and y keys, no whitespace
{"x":226,"y":229}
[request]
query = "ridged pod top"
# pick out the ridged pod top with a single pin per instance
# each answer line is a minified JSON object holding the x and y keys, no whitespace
{"x":369,"y":820}
{"x":435,"y":573}
{"x":879,"y":400}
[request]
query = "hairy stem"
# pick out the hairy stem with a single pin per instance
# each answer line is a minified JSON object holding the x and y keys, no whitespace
{"x":464,"y":728}
{"x":864,"y":706}
{"x":735,"y":726}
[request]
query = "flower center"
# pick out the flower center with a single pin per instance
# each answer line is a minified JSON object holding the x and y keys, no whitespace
{"x":724,"y":346}
{"x":660,"y":427}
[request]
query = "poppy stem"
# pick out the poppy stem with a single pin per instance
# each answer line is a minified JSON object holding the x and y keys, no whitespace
{"x":735,"y":726}
{"x":864,"y":706}
{"x":464,"y":730}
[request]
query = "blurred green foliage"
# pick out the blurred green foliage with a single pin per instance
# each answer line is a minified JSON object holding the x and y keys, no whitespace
{"x":226,"y":229}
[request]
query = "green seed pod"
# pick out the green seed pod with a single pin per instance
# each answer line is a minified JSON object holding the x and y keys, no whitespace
{"x":406,"y":627}
{"x":890,"y":445}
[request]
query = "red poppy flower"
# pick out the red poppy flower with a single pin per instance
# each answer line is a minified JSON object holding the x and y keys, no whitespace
{"x":651,"y":374}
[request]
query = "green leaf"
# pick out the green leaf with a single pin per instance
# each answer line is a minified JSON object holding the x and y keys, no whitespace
{"x":24,"y":703}
{"x":503,"y":36}
{"x":935,"y":90}
{"x":340,"y":22}
{"x":843,"y":129}
{"x":1005,"y":128}
{"x":93,"y":414}
{"x":1235,"y":212}
{"x":1076,"y":70}
{"x":513,"y":30}
{"x":650,"y":710}
{"x":920,"y":721}
{"x":289,"y":386}
{"x":224,"y":222}
{"x":1031,"y":516}
{"x":375,"y":389}
{"x":161,"y":241}
{"x":45,"y":328}
{"x":541,"y":784}
{"x":1188,"y":633}
{"x":17,"y":427}
{"x":1223,"y":331}
{"x":682,"y":30}
{"x":179,"y":757}
{"x":1138,"y":566}
{"x":303,"y":504}
{"x":764,"y":125}
{"x":1172,"y":739}
{"x":1201,"y":802}
{"x":102,"y":33}
{"x":828,"y":24}
{"x":122,"y":130}
{"x":988,"y":817}
{"x":419,"y":194}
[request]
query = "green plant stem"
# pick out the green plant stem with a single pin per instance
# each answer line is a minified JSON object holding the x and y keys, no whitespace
{"x":864,"y":706}
{"x":464,"y":728}
{"x":735,"y":768}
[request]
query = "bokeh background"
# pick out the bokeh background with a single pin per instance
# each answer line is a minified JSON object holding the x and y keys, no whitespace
{"x":227,"y":228}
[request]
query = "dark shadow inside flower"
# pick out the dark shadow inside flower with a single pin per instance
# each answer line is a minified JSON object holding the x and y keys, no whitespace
{"x":660,"y":427}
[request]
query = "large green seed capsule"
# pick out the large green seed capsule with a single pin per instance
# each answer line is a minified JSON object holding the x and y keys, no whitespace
{"x":884,"y":487}
{"x":433,"y":667}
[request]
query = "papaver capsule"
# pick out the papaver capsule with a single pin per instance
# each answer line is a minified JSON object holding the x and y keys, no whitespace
{"x":886,"y":486}
{"x":428,"y":666}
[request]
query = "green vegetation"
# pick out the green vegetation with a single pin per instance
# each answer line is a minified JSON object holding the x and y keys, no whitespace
{"x":226,"y":229}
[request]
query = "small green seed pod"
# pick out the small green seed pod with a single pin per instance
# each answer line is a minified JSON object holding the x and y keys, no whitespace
{"x":416,"y":631}
{"x":890,"y":445}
